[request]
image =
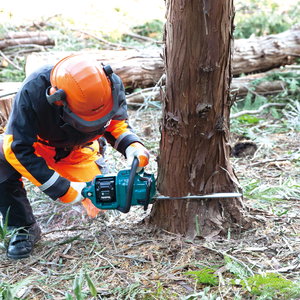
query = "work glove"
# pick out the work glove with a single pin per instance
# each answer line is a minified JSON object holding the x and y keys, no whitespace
{"x":139,"y":151}
{"x":73,"y":195}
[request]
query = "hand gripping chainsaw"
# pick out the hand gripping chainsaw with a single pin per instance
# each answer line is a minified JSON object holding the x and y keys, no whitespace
{"x":126,"y":188}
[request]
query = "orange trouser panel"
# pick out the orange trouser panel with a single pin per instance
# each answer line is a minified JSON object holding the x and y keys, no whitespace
{"x":78,"y":166}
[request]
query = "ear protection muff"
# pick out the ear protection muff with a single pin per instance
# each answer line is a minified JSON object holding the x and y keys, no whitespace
{"x":59,"y":95}
{"x":107,"y":70}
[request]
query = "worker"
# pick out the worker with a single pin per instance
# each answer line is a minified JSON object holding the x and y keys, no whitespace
{"x":51,"y":138}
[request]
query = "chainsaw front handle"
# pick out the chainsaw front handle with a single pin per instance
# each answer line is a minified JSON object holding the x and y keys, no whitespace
{"x":125,"y":209}
{"x":148,"y":191}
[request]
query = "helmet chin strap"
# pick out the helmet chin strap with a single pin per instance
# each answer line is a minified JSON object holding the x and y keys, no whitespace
{"x":58,"y":95}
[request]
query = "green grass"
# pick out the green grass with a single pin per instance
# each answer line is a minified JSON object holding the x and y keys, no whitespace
{"x":205,"y":276}
{"x":272,"y":286}
{"x":256,"y":17}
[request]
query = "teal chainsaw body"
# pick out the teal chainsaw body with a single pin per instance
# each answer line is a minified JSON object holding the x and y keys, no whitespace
{"x":122,"y":190}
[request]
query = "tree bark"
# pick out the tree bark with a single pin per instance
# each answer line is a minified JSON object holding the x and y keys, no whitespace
{"x":194,"y":147}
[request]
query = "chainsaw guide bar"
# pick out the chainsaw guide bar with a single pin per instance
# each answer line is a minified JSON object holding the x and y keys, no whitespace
{"x":216,"y":195}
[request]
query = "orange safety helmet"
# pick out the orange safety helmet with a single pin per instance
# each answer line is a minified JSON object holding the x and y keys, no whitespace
{"x":85,"y":89}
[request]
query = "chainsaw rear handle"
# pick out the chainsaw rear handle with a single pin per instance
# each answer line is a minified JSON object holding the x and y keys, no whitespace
{"x":125,"y":209}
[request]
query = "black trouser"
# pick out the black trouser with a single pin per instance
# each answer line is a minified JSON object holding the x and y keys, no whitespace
{"x":13,"y":196}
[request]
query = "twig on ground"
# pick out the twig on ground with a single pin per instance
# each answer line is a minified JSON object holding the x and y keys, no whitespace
{"x":254,"y":112}
{"x":75,"y":228}
{"x":266,"y":161}
{"x":230,"y":256}
{"x":133,"y":258}
{"x":140,"y":92}
{"x":102,"y":257}
{"x":134,"y":245}
{"x":147,"y":100}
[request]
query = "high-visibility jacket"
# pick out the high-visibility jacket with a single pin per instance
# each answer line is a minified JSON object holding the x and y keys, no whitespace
{"x":33,"y":120}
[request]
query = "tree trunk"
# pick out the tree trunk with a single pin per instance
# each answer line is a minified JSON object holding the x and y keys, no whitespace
{"x":194,"y":157}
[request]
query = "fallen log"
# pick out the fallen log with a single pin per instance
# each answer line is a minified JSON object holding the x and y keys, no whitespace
{"x":42,"y":40}
{"x":266,"y":53}
{"x":241,"y":86}
{"x":27,"y":34}
{"x":144,"y":68}
{"x":135,"y":68}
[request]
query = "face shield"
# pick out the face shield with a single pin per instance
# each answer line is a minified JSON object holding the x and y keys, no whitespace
{"x":90,"y":127}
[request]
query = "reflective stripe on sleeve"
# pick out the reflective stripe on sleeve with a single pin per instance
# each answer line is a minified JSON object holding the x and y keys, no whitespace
{"x":50,"y":182}
{"x":121,"y":137}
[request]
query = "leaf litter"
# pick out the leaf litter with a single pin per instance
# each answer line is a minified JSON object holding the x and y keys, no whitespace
{"x":123,"y":257}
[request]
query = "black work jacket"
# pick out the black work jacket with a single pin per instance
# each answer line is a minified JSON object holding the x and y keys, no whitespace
{"x":33,"y":120}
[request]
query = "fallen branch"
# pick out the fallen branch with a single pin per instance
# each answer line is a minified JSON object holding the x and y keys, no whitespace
{"x":10,"y":62}
{"x":75,"y":228}
{"x":41,"y":48}
{"x":102,"y":40}
{"x":89,"y":34}
{"x":231,"y":257}
{"x":254,"y":112}
{"x":266,"y":161}
{"x":140,"y":37}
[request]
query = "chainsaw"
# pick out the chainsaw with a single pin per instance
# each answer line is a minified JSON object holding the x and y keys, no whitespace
{"x":127,"y":188}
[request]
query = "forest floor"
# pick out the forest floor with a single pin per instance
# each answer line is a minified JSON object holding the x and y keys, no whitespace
{"x":121,"y":256}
